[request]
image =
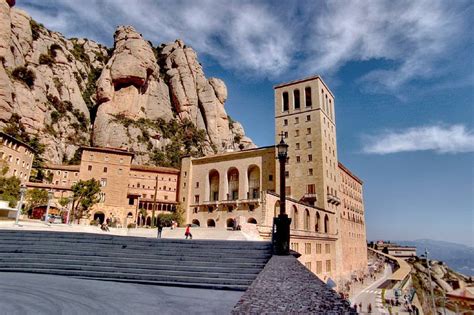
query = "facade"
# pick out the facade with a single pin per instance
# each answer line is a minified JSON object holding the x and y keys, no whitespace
{"x":238,"y":188}
{"x":352,"y":223}
{"x":129,"y":193}
{"x":395,"y":250}
{"x":16,"y":156}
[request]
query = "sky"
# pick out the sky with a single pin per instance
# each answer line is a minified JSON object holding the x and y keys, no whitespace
{"x":402,"y":73}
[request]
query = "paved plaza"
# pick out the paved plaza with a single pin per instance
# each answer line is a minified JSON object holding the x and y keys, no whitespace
{"x":46,"y":294}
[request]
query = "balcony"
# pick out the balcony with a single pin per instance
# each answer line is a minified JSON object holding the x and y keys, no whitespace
{"x":334,"y":200}
{"x":309,"y":197}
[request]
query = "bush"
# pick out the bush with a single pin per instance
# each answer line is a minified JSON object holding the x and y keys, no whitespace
{"x":131,"y":226}
{"x":79,"y":53}
{"x":55,"y":117}
{"x":46,"y":59}
{"x":25,"y":75}
{"x":35,"y":29}
{"x":94,"y":222}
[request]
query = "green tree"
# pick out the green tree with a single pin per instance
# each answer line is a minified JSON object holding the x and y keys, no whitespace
{"x":85,"y":195}
{"x":36,"y":197}
{"x":9,"y":189}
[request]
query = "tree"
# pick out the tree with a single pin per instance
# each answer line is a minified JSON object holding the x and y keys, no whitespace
{"x":85,"y":195}
{"x":36,"y":197}
{"x":9,"y":189}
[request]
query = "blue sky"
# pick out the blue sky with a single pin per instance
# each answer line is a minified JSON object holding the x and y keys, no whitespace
{"x":402,"y":73}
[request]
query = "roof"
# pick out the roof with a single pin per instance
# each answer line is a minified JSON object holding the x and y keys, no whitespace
{"x":47,"y":186}
{"x":156,"y":169}
{"x":11,"y":138}
{"x":314,"y":77}
{"x":74,"y":168}
{"x":234,"y":153}
{"x":348,"y":172}
{"x":108,"y":150}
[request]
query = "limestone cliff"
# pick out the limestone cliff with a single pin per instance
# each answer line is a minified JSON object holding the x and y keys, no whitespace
{"x":63,"y":93}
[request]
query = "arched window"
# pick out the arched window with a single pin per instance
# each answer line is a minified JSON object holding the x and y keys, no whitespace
{"x":252,"y":221}
{"x":294,"y":218}
{"x":307,"y":96}
{"x":196,"y":222}
{"x":296,"y":99}
{"x":253,"y":177}
{"x":211,"y":223}
{"x":306,"y":219}
{"x":233,"y":184}
{"x":213,"y":185}
{"x":230,"y":223}
{"x":276,"y":210}
{"x":286,"y":103}
{"x":326,"y":224}
{"x":317,"y":226}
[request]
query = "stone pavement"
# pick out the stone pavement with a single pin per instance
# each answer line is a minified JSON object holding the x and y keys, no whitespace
{"x":286,"y":286}
{"x":45,"y":294}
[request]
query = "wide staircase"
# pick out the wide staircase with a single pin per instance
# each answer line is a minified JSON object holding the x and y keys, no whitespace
{"x":211,"y":264}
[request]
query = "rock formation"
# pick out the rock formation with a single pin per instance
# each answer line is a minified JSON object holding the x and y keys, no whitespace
{"x":72,"y":92}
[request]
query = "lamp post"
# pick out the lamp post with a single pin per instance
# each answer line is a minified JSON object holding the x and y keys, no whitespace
{"x":20,"y":203}
{"x":50,"y":195}
{"x":69,"y":207}
{"x":281,"y":224}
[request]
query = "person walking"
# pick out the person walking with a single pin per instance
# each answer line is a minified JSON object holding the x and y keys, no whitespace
{"x":187,"y":233}
{"x":160,"y":229}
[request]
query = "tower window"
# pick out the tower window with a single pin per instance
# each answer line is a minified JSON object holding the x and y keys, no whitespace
{"x":296,"y":98}
{"x":286,"y":103}
{"x":285,"y":122}
{"x":307,"y":94}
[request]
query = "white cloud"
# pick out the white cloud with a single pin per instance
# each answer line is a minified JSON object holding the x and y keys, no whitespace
{"x":284,"y":39}
{"x":438,"y":138}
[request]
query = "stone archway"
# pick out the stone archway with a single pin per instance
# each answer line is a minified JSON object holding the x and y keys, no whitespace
{"x":230,"y":223}
{"x":252,"y":221}
{"x":196,"y":221}
{"x":99,"y":216}
{"x":211,"y":223}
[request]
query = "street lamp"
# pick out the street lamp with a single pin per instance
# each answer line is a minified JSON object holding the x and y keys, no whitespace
{"x":281,"y":224}
{"x":20,"y":204}
{"x":50,"y":195}
{"x":69,"y":208}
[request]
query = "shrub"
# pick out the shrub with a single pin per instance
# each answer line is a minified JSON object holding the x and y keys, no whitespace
{"x":131,"y":226}
{"x":55,"y":117}
{"x":79,"y":53}
{"x":35,"y":29}
{"x":25,"y":75}
{"x":46,"y":59}
{"x":53,"y":48}
{"x":94,"y":222}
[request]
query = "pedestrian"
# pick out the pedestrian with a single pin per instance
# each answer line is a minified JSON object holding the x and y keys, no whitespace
{"x":355,"y":307}
{"x":369,"y":308}
{"x":187,"y":233}
{"x":160,"y":229}
{"x":172,"y":224}
{"x":360,"y":306}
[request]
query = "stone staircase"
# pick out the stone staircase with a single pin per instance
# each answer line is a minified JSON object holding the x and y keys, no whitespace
{"x":211,"y":264}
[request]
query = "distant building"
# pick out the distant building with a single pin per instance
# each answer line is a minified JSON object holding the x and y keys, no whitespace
{"x":17,"y":156}
{"x":396,"y":250}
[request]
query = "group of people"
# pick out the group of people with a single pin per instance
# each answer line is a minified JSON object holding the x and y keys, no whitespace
{"x":187,"y":232}
{"x":358,"y":308}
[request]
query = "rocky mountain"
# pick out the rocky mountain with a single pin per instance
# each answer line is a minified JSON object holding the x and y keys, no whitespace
{"x":58,"y":94}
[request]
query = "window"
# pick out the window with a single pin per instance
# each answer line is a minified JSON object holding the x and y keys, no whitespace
{"x":105,"y":169}
{"x":288,"y":190}
{"x":285,"y":122}
{"x":310,"y":172}
{"x":166,"y":197}
{"x":308,"y":118}
{"x":296,"y":98}
{"x":319,"y":267}
{"x":298,"y":159}
{"x":310,"y":189}
{"x":307,"y":96}
{"x":297,"y":145}
{"x":121,"y":160}
{"x":91,"y":157}
{"x":89,"y":168}
{"x":197,"y":184}
{"x":286,"y":134}
{"x":308,"y":265}
{"x":270,"y":177}
{"x":297,"y":133}
{"x":297,"y":120}
{"x":307,"y":248}
{"x":196,"y":198}
{"x":310,"y":145}
{"x":328,"y":266}
{"x":308,"y":131}
{"x":286,"y":102}
{"x":106,"y":158}
{"x":310,"y":157}
{"x":103,"y":182}
{"x":287,"y":174}
{"x":101,"y":197}
{"x":328,"y":248}
{"x":120,"y":171}
{"x":294,"y":246}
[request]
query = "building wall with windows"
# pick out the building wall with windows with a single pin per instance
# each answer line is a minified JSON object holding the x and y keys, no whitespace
{"x":62,"y":175}
{"x":352,"y":223}
{"x":16,"y":156}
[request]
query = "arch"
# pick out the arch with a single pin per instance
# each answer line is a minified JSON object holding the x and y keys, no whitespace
{"x":317,"y":226}
{"x":214,"y":185}
{"x":286,"y":103}
{"x":296,"y":99}
{"x":196,"y":221}
{"x":294,"y":217}
{"x":148,"y":221}
{"x":211,"y":223}
{"x":253,"y":179}
{"x":233,"y":184}
{"x":307,"y":96}
{"x":306,"y":219}
{"x":99,"y":216}
{"x":326,"y":224}
{"x":129,"y":215}
{"x":230,"y":223}
{"x":252,"y":221}
{"x":276,"y":210}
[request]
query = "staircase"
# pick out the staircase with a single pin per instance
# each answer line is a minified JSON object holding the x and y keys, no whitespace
{"x":211,"y":264}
